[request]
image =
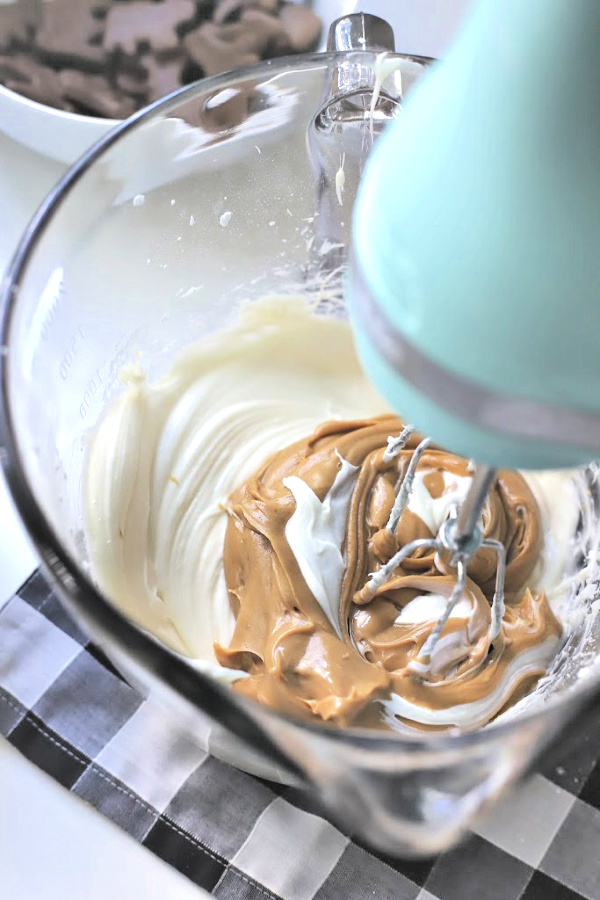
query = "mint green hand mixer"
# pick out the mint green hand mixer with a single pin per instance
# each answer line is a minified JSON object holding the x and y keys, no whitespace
{"x":475,"y":282}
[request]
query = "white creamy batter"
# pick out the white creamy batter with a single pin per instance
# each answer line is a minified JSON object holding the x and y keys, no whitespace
{"x":315,"y":532}
{"x":165,"y":456}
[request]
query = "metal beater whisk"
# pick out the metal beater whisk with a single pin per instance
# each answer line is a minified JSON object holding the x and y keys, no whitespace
{"x":458,"y":540}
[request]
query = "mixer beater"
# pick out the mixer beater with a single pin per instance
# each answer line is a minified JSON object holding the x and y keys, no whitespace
{"x":457,"y":542}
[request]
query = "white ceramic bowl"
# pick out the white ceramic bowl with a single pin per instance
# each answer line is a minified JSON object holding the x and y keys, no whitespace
{"x":60,"y":135}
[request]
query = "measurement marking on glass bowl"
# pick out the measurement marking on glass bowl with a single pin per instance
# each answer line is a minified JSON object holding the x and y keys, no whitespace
{"x":71,"y":352}
{"x":91,"y":389}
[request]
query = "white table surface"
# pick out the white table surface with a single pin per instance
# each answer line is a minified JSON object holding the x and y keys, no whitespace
{"x":52,"y":845}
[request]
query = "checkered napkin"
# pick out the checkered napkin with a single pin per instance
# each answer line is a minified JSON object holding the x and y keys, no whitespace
{"x":66,"y":709}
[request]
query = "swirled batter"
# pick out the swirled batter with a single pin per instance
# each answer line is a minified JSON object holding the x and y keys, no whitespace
{"x":232,"y":505}
{"x":286,"y":582}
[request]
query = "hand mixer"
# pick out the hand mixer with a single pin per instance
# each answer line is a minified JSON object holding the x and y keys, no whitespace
{"x":475,"y":278}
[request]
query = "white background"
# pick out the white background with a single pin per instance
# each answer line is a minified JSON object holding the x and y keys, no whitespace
{"x":52,"y":845}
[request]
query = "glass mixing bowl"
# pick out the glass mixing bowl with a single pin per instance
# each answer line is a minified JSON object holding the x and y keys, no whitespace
{"x":217,"y":196}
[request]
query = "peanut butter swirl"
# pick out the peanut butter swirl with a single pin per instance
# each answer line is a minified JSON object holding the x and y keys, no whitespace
{"x":299,"y":660}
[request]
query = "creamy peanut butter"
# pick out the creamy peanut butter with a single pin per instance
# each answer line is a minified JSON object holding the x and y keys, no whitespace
{"x":296,"y":654}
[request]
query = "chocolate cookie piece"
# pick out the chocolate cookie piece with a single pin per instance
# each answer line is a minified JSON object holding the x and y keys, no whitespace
{"x":17,"y":21}
{"x":132,"y":83}
{"x":33,"y":80}
{"x":141,"y":24}
{"x":70,"y":33}
{"x":93,"y":94}
{"x":219,"y":48}
{"x":302,"y":25}
{"x":162,"y":76}
{"x":269,"y":35}
{"x":231,"y":10}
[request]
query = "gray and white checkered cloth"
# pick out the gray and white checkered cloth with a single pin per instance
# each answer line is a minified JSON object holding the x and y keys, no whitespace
{"x":65,"y":708}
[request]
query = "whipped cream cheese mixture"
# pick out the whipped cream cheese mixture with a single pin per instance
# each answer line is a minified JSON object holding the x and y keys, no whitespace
{"x":231,"y":506}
